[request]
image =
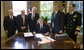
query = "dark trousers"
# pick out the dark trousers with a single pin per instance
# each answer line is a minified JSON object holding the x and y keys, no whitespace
{"x":26,"y":30}
{"x":71,"y":34}
{"x":54,"y":31}
{"x":10,"y":33}
{"x":32,"y":28}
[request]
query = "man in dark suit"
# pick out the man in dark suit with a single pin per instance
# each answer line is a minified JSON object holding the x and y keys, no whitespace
{"x":33,"y":17}
{"x":22,"y":22}
{"x":57,"y":21}
{"x":42,"y":28}
{"x":73,"y":22}
{"x":9,"y":24}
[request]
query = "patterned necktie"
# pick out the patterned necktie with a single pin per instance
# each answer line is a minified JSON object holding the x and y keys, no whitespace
{"x":55,"y":14}
{"x":41,"y":29}
{"x":53,"y":22}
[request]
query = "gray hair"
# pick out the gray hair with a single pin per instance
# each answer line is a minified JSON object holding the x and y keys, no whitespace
{"x":34,"y":8}
{"x":10,"y":10}
{"x":22,"y":10}
{"x":56,"y":5}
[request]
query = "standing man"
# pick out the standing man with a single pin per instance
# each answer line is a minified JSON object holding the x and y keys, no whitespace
{"x":57,"y":21}
{"x":33,"y":17}
{"x":9,"y":24}
{"x":22,"y":22}
{"x":73,"y":22}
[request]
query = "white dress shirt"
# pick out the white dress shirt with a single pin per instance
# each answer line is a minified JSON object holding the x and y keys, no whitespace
{"x":72,"y":12}
{"x":24,"y":18}
{"x":11,"y":17}
{"x":33,"y":15}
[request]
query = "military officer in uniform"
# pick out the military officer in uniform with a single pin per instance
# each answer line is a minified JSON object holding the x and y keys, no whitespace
{"x":73,"y":22}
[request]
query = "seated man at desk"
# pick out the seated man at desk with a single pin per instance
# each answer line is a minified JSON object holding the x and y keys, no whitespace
{"x":42,"y":28}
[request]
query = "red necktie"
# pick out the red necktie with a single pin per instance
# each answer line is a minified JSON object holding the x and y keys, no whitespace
{"x":23,"y":20}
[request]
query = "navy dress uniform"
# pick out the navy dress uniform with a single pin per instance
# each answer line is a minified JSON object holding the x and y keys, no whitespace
{"x":73,"y":24}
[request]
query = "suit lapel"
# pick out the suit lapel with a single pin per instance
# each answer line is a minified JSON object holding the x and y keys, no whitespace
{"x":9,"y":17}
{"x":21,"y":20}
{"x":43,"y":28}
{"x":38,"y":28}
{"x":57,"y":14}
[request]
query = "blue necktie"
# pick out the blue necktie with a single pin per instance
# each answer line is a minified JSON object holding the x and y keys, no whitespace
{"x":53,"y":22}
{"x":53,"y":25}
{"x":41,"y":29}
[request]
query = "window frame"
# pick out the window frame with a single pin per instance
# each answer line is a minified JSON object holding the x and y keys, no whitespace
{"x":20,"y":10}
{"x":49,"y":21}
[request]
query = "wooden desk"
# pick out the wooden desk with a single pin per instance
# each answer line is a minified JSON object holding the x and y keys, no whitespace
{"x":19,"y":42}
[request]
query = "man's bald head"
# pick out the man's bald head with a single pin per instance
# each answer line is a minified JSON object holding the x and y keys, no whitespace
{"x":10,"y":12}
{"x":23,"y":12}
{"x":56,"y":8}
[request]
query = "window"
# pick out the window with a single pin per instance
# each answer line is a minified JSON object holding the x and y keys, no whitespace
{"x":46,"y":9}
{"x":79,"y":7}
{"x":18,"y":6}
{"x":79,"y":4}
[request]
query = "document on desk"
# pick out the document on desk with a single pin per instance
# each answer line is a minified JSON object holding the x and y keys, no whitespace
{"x":61,"y":36}
{"x":39,"y":36}
{"x":44,"y":39}
{"x":28,"y":34}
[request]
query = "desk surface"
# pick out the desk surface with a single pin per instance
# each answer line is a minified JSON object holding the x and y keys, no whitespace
{"x":19,"y":42}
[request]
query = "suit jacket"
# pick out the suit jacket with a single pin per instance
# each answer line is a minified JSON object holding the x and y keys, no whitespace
{"x":33,"y":23}
{"x":10,"y":24}
{"x":45,"y":28}
{"x":58,"y":21}
{"x":20,"y":23}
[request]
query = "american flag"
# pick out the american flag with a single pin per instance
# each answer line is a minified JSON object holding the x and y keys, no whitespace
{"x":29,"y":7}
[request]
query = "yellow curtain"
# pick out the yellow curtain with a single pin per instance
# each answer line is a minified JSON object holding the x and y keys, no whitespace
{"x":36,"y":4}
{"x":2,"y":17}
{"x":7,"y":5}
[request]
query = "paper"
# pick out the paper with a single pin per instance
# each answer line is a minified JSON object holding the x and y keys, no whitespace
{"x":29,"y":34}
{"x":39,"y":36}
{"x":64,"y":34}
{"x":46,"y":40}
{"x":61,"y":36}
{"x":50,"y":38}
